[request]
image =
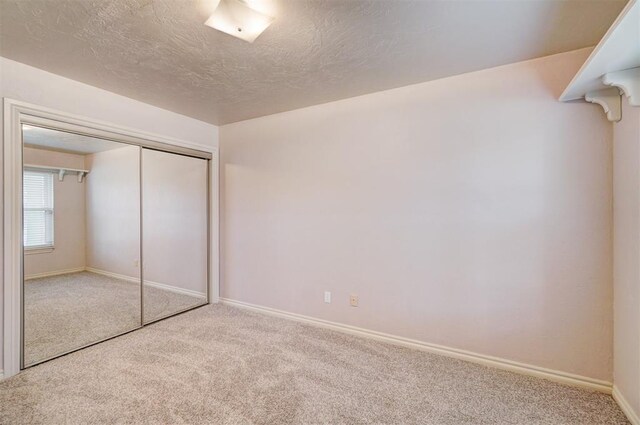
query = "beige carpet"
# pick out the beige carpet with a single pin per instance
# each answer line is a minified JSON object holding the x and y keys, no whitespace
{"x":69,"y":311}
{"x":221,"y":365}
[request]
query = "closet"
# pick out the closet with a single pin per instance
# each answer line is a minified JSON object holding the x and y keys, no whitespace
{"x":115,"y":237}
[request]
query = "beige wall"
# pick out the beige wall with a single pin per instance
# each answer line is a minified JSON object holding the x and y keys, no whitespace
{"x":113,"y":211}
{"x":45,"y":157}
{"x":473,"y":212}
{"x":69,"y":216}
{"x":174,"y":209}
{"x":174,"y":206}
{"x":626,"y":255}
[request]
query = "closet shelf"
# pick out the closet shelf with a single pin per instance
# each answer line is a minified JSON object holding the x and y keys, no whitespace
{"x":613,"y":67}
{"x":61,"y":171}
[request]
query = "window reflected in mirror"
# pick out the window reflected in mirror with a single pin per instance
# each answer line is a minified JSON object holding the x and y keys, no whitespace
{"x":81,"y":235}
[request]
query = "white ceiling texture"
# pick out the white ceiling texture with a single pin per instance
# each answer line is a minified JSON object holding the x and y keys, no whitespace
{"x":61,"y":141}
{"x":160,"y":52}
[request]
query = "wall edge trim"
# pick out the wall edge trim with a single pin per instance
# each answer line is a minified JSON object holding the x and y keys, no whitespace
{"x":136,"y":280}
{"x":633,"y":417}
{"x":490,"y":361}
{"x":54,"y":273}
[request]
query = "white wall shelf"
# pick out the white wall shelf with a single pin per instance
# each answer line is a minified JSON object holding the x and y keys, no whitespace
{"x":613,"y":68}
{"x":61,"y":171}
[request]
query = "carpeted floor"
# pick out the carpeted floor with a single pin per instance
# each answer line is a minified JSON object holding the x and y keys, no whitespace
{"x":221,"y":365}
{"x":69,"y":311}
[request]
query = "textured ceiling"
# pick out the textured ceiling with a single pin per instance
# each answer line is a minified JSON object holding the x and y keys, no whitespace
{"x":160,"y":52}
{"x":44,"y":138}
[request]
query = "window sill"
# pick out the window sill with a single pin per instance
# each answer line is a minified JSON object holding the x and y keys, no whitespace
{"x":42,"y":250}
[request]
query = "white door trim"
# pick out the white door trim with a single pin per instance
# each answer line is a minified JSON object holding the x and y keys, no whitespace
{"x":12,"y":235}
{"x":18,"y":112}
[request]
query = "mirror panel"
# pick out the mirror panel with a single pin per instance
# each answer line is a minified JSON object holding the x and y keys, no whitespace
{"x":175,"y":233}
{"x":81,"y":241}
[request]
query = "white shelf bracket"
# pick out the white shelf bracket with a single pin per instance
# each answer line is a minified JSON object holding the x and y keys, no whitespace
{"x":610,"y":100}
{"x":61,"y":172}
{"x":628,"y":81}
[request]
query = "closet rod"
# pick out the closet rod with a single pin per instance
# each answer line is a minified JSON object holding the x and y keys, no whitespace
{"x":61,"y":171}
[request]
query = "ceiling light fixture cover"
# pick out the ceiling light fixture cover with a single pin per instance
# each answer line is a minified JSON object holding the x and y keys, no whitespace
{"x":235,"y":18}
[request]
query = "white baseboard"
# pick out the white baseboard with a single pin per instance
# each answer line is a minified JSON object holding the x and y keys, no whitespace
{"x":183,"y":291}
{"x":118,"y":276}
{"x":53,"y":273}
{"x":633,"y":417}
{"x":1,"y":374}
{"x":158,"y":285}
{"x":522,"y":368}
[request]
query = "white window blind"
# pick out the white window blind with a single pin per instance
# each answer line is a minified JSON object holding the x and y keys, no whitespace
{"x":38,"y":209}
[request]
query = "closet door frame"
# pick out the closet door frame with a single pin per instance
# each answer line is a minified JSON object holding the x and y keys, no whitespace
{"x":17,"y":113}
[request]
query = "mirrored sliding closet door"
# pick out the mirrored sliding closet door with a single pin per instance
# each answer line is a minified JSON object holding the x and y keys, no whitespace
{"x":81,"y":241}
{"x":175,"y":233}
{"x":116,"y":236}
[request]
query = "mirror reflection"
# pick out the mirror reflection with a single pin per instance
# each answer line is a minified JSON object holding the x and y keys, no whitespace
{"x":81,"y":241}
{"x":174,"y":228}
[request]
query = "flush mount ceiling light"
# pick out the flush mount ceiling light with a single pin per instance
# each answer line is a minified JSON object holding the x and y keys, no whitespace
{"x":235,"y":18}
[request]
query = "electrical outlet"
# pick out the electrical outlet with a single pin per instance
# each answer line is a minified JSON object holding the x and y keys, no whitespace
{"x":327,"y":297}
{"x":135,"y":263}
{"x":353,"y":300}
